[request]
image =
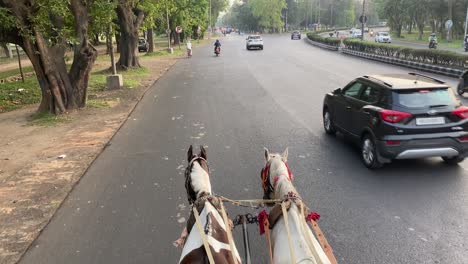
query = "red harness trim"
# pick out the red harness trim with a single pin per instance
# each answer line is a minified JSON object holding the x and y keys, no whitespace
{"x":266,"y":173}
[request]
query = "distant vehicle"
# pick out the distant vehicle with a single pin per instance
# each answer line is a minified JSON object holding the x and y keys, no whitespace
{"x":366,"y":29}
{"x":254,"y":41}
{"x":383,"y":37}
{"x":142,"y":45}
{"x":352,"y":30}
{"x":382,"y":23}
{"x":399,"y":116}
{"x":296,"y":35}
{"x":357,"y":33}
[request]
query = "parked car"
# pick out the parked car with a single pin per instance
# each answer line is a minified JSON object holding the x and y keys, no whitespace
{"x":254,"y":41}
{"x":399,"y":116}
{"x":142,"y":45}
{"x":296,"y":35}
{"x":383,"y":37}
{"x":352,"y":30}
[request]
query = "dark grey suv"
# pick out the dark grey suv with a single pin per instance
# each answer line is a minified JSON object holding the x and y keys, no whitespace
{"x":399,"y":116}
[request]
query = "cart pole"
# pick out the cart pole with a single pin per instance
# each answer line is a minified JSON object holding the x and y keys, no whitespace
{"x":246,"y":239}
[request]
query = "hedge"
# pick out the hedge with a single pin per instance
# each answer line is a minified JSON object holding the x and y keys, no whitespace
{"x":428,"y":56}
{"x":325,"y":40}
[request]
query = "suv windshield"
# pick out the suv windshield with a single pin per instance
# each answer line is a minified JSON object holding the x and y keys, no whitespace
{"x":384,"y":34}
{"x":424,"y":98}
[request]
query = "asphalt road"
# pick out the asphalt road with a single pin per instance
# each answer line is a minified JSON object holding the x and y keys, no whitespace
{"x":127,"y":207}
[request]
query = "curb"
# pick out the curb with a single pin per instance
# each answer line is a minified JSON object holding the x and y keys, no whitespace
{"x":410,"y":64}
{"x":321,"y":45}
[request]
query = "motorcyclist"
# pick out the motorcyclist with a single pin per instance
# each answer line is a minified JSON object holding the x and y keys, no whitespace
{"x":432,"y":40}
{"x":217,"y":44}
{"x":371,"y":33}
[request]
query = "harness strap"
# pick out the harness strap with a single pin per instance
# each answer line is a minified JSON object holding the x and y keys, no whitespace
{"x":276,"y":213}
{"x":306,"y":233}
{"x":203,"y":235}
{"x":266,"y":226}
{"x":323,"y":241}
{"x":291,"y":248}
{"x":228,"y":231}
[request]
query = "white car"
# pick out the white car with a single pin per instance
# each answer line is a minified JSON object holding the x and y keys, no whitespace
{"x":383,"y":37}
{"x":254,"y":41}
{"x":357,"y":33}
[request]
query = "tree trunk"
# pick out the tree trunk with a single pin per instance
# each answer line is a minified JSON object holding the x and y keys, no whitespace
{"x":150,"y":40}
{"x":7,"y":50}
{"x":421,"y":30}
{"x":130,"y":20}
{"x":60,"y":90}
{"x":96,"y":41}
{"x":117,"y":41}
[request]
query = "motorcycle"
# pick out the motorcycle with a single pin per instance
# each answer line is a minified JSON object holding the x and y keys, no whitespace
{"x":466,"y":46}
{"x":189,"y":53}
{"x":433,"y":44}
{"x":217,"y":51}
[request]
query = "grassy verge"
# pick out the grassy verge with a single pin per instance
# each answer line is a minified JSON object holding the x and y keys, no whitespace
{"x":14,"y":95}
{"x":9,"y":73}
{"x":17,"y":94}
{"x":413,"y":37}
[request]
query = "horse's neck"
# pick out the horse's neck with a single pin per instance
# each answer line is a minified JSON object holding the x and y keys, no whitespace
{"x":304,"y":252}
{"x":284,"y":187}
{"x":200,"y":180}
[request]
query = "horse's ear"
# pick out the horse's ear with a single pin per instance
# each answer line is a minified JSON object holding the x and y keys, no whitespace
{"x":284,"y":155}
{"x":267,"y":155}
{"x":203,"y":153}
{"x":190,"y":153}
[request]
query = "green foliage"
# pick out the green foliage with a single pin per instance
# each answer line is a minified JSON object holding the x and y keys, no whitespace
{"x":14,"y":95}
{"x":268,"y":13}
{"x":428,"y":56}
{"x":325,"y":40}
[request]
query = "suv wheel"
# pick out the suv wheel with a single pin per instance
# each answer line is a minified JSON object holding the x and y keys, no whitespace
{"x":460,"y":90}
{"x":453,"y":160}
{"x":328,"y":123}
{"x":369,"y":153}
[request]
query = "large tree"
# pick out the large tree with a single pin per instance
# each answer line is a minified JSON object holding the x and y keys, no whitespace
{"x":130,"y":16}
{"x":41,"y":28}
{"x":268,"y":13}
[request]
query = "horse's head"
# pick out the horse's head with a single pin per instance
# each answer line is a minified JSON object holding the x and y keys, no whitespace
{"x":276,"y":168}
{"x":197,"y":179}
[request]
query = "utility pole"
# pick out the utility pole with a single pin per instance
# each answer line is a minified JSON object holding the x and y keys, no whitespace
{"x":466,"y":23}
{"x":363,"y":18}
{"x":449,"y":29}
{"x":318,"y":21}
{"x":210,"y":28}
{"x":168,"y":31}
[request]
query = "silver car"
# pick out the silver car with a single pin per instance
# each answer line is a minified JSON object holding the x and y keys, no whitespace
{"x":254,"y":41}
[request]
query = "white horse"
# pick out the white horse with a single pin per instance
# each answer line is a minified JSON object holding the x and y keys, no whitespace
{"x":277,"y":184}
{"x":198,"y":186}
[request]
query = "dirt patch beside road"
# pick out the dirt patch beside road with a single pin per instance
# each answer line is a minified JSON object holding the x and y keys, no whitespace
{"x":39,"y":165}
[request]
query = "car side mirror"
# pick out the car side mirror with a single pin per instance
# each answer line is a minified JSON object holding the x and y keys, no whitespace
{"x":337,"y":91}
